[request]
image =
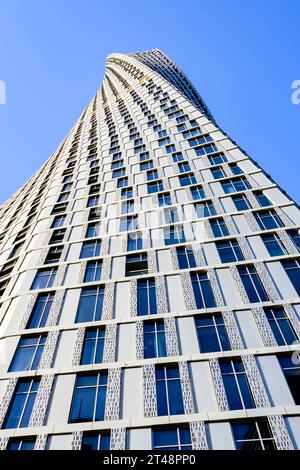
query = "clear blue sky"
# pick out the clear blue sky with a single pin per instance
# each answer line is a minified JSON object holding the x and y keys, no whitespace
{"x":241,"y":56}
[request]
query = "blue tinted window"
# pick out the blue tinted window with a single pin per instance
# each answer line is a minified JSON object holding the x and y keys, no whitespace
{"x":21,"y":405}
{"x":186,"y":258}
{"x":28,"y":353}
{"x":40,"y":312}
{"x":202,"y":291}
{"x":178,"y":438}
{"x":219,"y":228}
{"x":236,"y":385}
{"x":168,"y":391}
{"x":90,"y":249}
{"x":89,"y":398}
{"x":146,"y":297}
{"x":295,"y":236}
{"x":21,"y":443}
{"x":96,"y":441}
{"x":93,"y":346}
{"x":281,"y":326}
{"x":268,"y":219}
{"x":90,"y":305}
{"x":154,"y":339}
{"x":229,"y":251}
{"x":241,"y":202}
{"x":44,"y":278}
{"x":173,"y":235}
{"x":262,"y":199}
{"x":291,"y":370}
{"x":273,"y":244}
{"x":93,"y":271}
{"x":212,"y":334}
{"x":292,"y":268}
{"x":252,"y":284}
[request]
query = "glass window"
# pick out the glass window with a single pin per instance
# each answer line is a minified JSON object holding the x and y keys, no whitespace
{"x":155,"y":187}
{"x":281,"y":326}
{"x":200,"y":140}
{"x":117,"y":164}
{"x":164,"y":199}
{"x":292,"y":268}
{"x":212,"y":334}
{"x":184,"y":167}
{"x":291,"y":369}
{"x":274,"y":245}
{"x":234,"y":185}
{"x":21,"y":443}
{"x":253,"y":435}
{"x":134,"y":241}
{"x":262,"y":199}
{"x":219,"y":228}
{"x":197,"y":192}
{"x":93,"y":346}
{"x":63,"y":197}
{"x":95,"y":213}
{"x":205,"y":209}
{"x":202,"y":290}
{"x":171,"y":216}
{"x":136,"y":264}
{"x":40,"y":312}
{"x":218,"y":172}
{"x":146,"y":297}
{"x":58,"y":221}
{"x":90,"y":305}
{"x":21,"y":405}
{"x":295,"y":236}
{"x":28,"y":353}
{"x":154,"y":339}
{"x":53,"y":255}
{"x":93,"y":230}
{"x":236,"y":384}
{"x":44,"y":278}
{"x":267,"y":219}
{"x":57,"y":236}
{"x":122,"y":182}
{"x":236,"y":170}
{"x":177,"y":157}
{"x":241,"y":202}
{"x":95,"y":441}
{"x":126,"y":193}
{"x":89,"y":398}
{"x":93,"y":201}
{"x":129,"y":223}
{"x":205,"y":149}
{"x":146,"y":165}
{"x":175,"y":438}
{"x":229,"y":251}
{"x":252,"y":284}
{"x":173,"y":235}
{"x":186,"y":258}
{"x":217,"y":159}
{"x":187,"y":180}
{"x":168,"y":391}
{"x":93,"y":271}
{"x":152,"y":175}
{"x":90,"y":249}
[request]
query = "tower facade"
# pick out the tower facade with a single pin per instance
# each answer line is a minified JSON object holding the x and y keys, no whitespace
{"x":149,"y":282}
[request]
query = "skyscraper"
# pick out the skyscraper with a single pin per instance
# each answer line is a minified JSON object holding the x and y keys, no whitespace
{"x":149,"y":282}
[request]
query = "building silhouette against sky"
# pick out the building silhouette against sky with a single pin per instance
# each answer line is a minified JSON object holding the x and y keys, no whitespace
{"x":149,"y":282}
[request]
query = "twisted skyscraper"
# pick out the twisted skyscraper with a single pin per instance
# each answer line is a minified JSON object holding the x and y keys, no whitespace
{"x":149,"y":282}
